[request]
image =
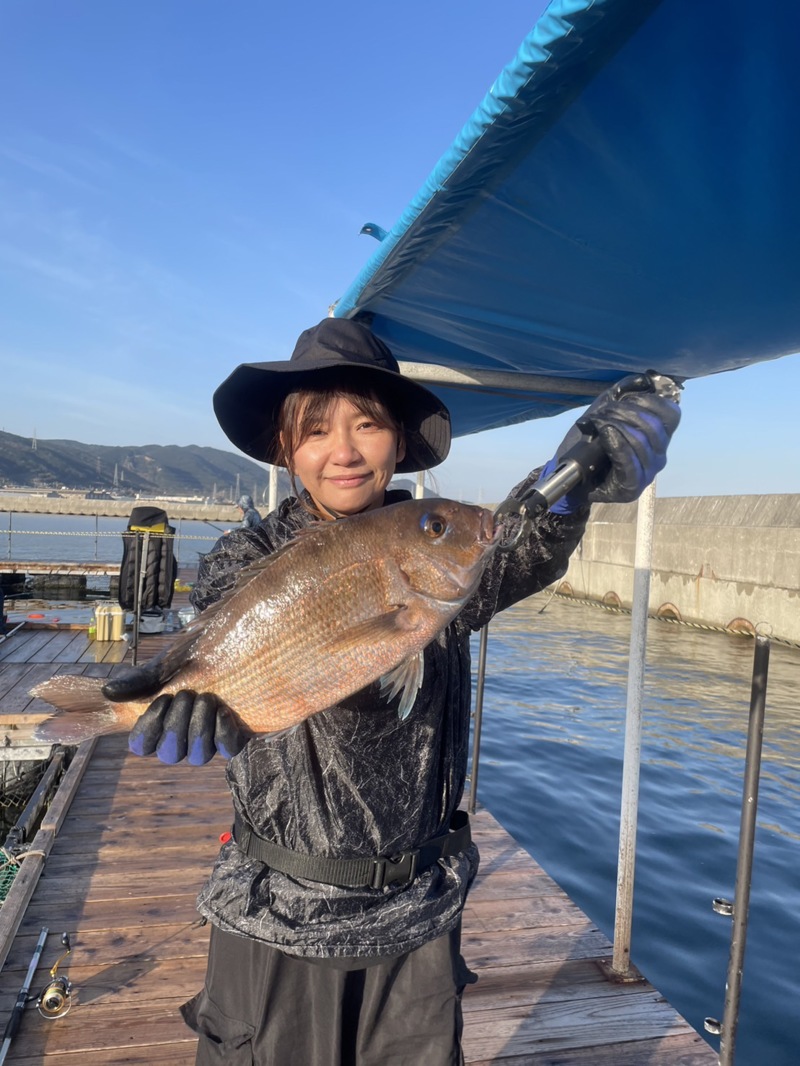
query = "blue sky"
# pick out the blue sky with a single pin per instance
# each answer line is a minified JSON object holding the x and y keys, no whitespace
{"x":182,"y":185}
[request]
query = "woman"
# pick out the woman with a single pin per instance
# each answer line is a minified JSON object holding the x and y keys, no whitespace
{"x":324,"y":969}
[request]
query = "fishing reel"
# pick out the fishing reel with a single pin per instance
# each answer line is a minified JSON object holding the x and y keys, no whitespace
{"x":55,"y":999}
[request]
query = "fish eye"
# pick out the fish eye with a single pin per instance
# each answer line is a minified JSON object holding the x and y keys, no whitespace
{"x":433,"y":526}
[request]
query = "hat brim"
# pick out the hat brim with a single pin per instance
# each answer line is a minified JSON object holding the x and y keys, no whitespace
{"x":248,"y":402}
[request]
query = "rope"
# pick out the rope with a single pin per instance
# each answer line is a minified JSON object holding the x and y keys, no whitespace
{"x":100,"y":533}
{"x":15,"y":860}
{"x":614,"y":609}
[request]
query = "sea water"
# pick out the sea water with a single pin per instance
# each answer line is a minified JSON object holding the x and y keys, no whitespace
{"x":85,"y":539}
{"x":551,"y":768}
{"x":550,"y":772}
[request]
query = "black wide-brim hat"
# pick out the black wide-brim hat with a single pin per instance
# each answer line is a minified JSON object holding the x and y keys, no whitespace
{"x":248,"y":402}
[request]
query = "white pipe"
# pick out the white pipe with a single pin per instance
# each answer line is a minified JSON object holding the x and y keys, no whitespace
{"x":645,"y":521}
{"x":510,"y":380}
{"x":273,"y":488}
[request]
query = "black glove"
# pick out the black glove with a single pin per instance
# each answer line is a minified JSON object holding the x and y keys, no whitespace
{"x":188,"y":726}
{"x":634,"y":429}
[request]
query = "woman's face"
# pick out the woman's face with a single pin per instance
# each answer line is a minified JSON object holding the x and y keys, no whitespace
{"x":347,"y":460}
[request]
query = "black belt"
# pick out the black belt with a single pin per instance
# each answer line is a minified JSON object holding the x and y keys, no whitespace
{"x":372,"y":872}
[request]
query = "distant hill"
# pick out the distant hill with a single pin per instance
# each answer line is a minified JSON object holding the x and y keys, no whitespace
{"x":153,"y":469}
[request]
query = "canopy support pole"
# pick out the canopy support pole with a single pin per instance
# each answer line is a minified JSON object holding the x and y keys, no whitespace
{"x":273,"y":488}
{"x":515,"y":381}
{"x":645,"y":522}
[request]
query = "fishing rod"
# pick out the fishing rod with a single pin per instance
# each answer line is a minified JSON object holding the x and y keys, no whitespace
{"x":585,"y":459}
{"x":12,"y":1025}
{"x":5,"y":636}
{"x":221,"y":530}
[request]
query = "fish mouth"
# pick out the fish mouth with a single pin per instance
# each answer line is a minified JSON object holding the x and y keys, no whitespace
{"x":489,"y":532}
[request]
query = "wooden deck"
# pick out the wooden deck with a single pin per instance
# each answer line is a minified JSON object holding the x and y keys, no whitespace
{"x":129,"y":841}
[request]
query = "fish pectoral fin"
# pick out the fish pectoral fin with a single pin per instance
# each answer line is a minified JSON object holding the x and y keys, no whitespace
{"x":407,"y":679}
{"x":134,"y":683}
{"x":370,"y":630}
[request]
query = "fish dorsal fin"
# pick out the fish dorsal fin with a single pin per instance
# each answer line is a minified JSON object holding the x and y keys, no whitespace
{"x":407,"y":679}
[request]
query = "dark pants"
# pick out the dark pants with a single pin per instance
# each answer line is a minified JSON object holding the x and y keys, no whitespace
{"x":260,"y":1007}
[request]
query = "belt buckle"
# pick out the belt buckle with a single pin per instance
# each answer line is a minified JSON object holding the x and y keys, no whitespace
{"x":393,"y":868}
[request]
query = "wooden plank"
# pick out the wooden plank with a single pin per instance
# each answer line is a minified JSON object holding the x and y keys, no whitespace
{"x":521,"y":912}
{"x":104,"y":946}
{"x":20,"y":651}
{"x":11,"y":647}
{"x":687,"y":1049}
{"x":162,"y":802}
{"x":104,"y":651}
{"x":72,"y":652}
{"x":605,"y":1021}
{"x":127,"y":859}
{"x":128,"y":899}
{"x":128,"y":769}
{"x":543,"y":981}
{"x":10,"y":675}
{"x":40,"y":566}
{"x":96,"y":668}
{"x":106,"y":836}
{"x":60,"y":640}
{"x":126,"y":842}
{"x":117,"y":883}
{"x":516,"y":948}
{"x":168,"y":981}
{"x":168,"y":1054}
{"x":101,"y":1028}
{"x":18,"y":698}
{"x":82,"y":915}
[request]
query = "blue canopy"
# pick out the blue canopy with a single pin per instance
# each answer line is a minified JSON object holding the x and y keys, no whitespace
{"x":626,"y":197}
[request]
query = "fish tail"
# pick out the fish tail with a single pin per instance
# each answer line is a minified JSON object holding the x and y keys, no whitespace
{"x":88,"y":712}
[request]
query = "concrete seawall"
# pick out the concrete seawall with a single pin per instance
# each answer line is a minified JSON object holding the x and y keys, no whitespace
{"x":727,"y":561}
{"x":21,"y":503}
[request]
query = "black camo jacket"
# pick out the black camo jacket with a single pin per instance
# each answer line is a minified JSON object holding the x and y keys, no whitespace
{"x":354,"y":780}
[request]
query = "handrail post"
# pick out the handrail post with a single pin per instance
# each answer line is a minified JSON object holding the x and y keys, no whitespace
{"x":645,"y":522}
{"x":739,"y":909}
{"x":478,"y":720}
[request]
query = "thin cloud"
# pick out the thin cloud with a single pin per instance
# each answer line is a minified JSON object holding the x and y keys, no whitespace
{"x":46,"y":168}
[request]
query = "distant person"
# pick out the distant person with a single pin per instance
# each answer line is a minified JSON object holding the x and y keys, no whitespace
{"x":250,"y":516}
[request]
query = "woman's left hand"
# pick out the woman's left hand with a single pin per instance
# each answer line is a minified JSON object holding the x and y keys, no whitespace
{"x":634,"y":429}
{"x":189,"y":725}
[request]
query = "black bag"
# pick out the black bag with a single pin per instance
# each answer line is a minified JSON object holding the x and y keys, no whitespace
{"x":146,"y":531}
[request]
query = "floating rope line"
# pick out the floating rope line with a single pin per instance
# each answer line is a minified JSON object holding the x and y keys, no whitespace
{"x":617,"y":609}
{"x":99,"y":533}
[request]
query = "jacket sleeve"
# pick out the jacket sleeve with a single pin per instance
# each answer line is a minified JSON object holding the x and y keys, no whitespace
{"x":541,"y":557}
